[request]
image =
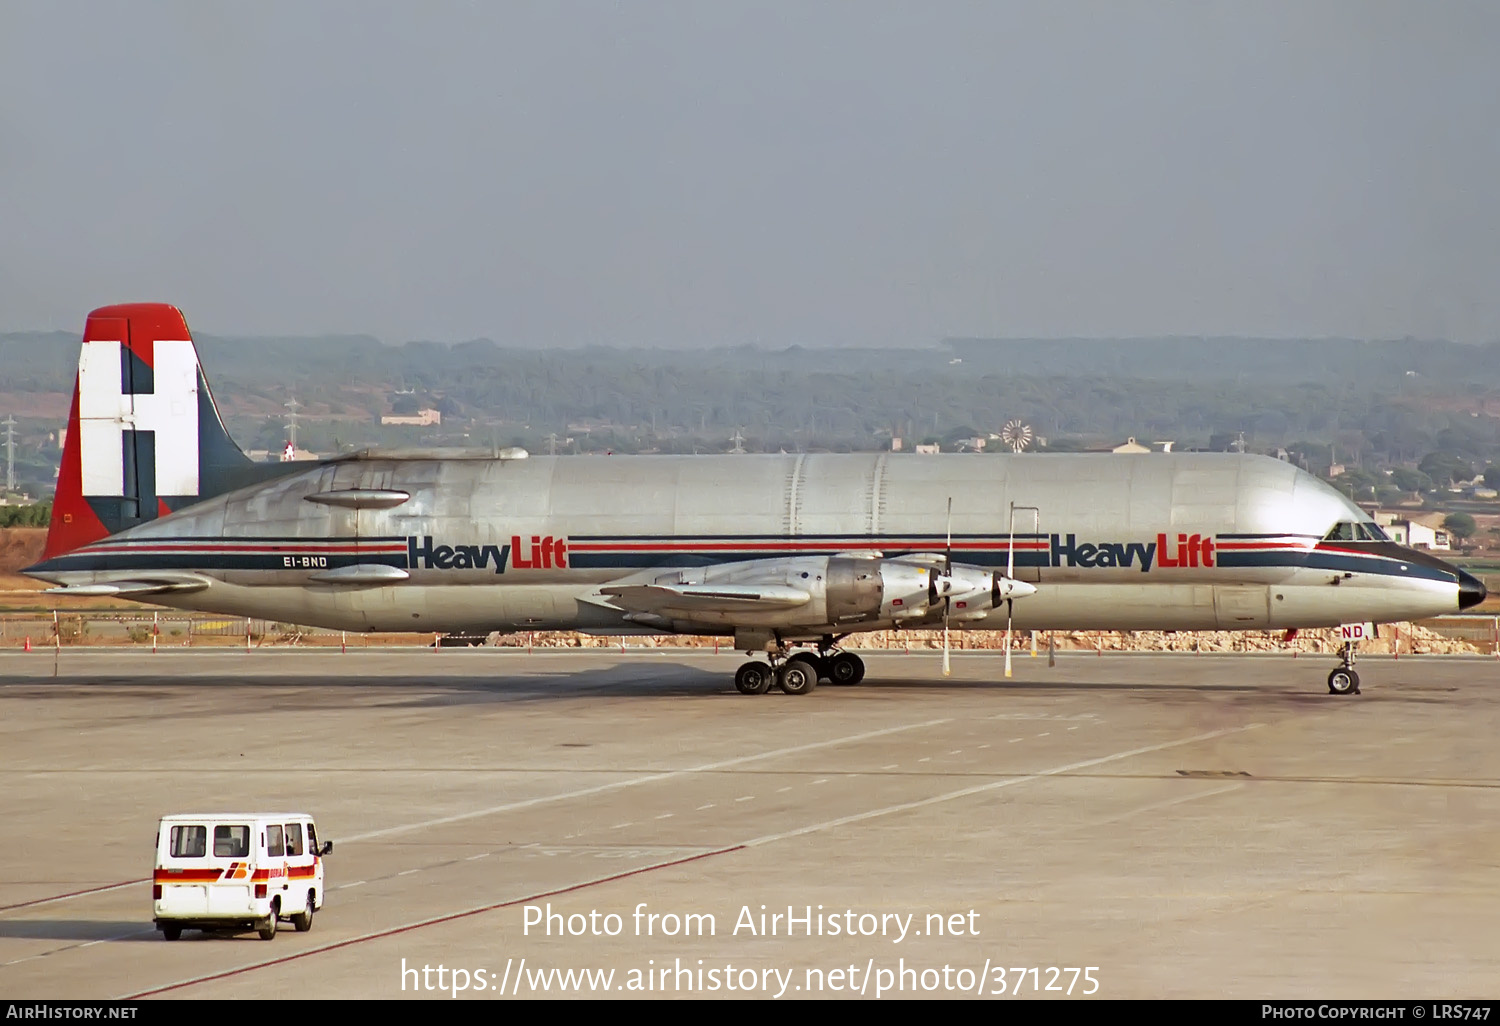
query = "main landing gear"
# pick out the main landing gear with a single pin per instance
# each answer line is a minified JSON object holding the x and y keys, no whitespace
{"x":1344,"y":681}
{"x":798,"y":673}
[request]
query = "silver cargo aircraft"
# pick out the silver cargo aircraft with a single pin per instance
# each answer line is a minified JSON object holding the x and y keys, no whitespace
{"x":788,"y":553}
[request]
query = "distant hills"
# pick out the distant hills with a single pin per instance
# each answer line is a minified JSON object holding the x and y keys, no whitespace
{"x":1379,"y":402}
{"x":1292,"y":360}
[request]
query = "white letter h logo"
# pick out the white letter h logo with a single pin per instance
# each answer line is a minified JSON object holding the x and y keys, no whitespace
{"x":106,"y":412}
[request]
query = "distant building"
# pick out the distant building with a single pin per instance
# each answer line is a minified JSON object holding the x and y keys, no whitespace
{"x":280,"y":455}
{"x":927,"y":450}
{"x":976,"y":443}
{"x":1130,"y":446}
{"x":1417,"y":531}
{"x":895,"y":444}
{"x":422,"y":418}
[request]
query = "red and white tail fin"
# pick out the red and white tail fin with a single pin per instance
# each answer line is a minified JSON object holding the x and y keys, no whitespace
{"x":144,"y":437}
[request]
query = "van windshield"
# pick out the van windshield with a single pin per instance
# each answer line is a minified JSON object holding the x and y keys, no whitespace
{"x":231,"y":842}
{"x":189,"y":842}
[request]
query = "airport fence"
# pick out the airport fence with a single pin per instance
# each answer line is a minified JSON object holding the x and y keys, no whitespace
{"x":1471,"y":635}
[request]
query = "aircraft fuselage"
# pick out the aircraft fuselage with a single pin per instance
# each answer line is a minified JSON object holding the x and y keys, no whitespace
{"x":1127,"y":542}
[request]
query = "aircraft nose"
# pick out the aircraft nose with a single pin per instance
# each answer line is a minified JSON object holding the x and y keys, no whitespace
{"x":1471,"y":590}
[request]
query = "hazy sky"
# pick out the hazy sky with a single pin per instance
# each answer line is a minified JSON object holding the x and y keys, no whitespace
{"x":566,"y":172}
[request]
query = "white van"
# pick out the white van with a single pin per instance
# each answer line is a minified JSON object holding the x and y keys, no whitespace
{"x":237,"y":871}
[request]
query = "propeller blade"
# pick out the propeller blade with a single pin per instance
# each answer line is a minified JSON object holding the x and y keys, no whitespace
{"x":948,"y":550}
{"x":1010,"y":605}
{"x":947,"y":663}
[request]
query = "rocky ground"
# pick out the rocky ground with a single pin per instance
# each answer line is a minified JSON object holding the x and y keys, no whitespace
{"x":1411,"y":639}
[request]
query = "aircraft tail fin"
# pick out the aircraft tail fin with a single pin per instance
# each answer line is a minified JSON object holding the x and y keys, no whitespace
{"x":144,"y":436}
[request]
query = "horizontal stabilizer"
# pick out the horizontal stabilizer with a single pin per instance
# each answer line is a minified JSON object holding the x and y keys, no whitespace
{"x":648,"y":598}
{"x":132,"y":588}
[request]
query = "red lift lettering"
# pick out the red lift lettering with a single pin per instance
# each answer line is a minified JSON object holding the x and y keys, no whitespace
{"x":542,"y":554}
{"x":1192,"y":551}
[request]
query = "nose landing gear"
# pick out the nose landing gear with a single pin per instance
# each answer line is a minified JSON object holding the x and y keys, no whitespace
{"x":1344,"y":681}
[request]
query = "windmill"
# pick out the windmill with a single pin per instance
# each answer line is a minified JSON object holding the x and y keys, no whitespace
{"x":1016,"y":435}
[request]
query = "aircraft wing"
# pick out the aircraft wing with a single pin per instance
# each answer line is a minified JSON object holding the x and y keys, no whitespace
{"x":724,"y":598}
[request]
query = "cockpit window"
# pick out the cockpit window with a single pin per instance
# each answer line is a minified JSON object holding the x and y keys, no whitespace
{"x":1342,"y":531}
{"x":1347,"y":530}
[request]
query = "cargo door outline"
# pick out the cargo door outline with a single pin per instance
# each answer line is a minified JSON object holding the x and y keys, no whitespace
{"x":1026,"y":554}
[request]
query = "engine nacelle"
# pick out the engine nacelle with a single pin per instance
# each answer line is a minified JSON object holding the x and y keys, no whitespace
{"x":843,"y":591}
{"x":854,"y":588}
{"x":916,"y":592}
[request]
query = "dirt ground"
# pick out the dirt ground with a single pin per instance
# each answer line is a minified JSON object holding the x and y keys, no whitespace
{"x":21,"y":547}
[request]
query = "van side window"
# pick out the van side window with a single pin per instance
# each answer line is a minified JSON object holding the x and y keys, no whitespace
{"x":273,"y":841}
{"x":231,"y":842}
{"x":312,"y":838}
{"x":294,"y":838}
{"x":189,"y":842}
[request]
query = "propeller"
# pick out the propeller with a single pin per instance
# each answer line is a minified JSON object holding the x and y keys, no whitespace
{"x":947,"y":603}
{"x":1010,"y":602}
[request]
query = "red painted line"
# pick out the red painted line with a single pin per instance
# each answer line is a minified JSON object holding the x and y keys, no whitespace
{"x":72,"y":894}
{"x":429,"y":922}
{"x":1359,"y":552}
{"x":1261,"y":547}
{"x":220,"y":549}
{"x":796,"y":546}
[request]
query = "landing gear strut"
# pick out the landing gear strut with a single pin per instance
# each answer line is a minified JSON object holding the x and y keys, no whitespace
{"x":1344,"y":681}
{"x":797,"y":673}
{"x":837,"y":666}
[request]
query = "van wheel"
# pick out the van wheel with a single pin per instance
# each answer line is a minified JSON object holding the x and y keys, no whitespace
{"x":171,"y":932}
{"x":267,"y":927}
{"x":303,"y":920}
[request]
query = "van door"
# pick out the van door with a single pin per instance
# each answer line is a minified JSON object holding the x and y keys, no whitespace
{"x":184,"y":872}
{"x":276,"y":864}
{"x":300,"y":869}
{"x":233,"y":854}
{"x":312,"y":847}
